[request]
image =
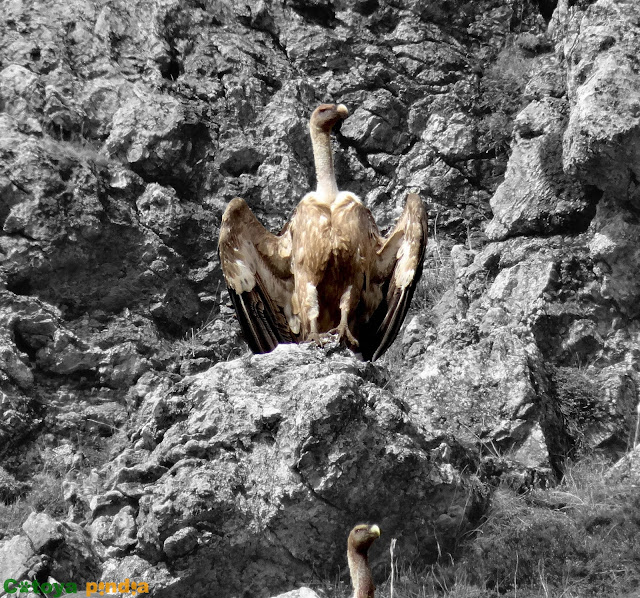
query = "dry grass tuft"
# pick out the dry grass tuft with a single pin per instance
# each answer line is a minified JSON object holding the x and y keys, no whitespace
{"x":437,"y":278}
{"x":578,"y":540}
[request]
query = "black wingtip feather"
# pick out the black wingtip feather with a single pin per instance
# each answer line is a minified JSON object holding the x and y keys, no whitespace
{"x":389,"y":317}
{"x":257,"y":323}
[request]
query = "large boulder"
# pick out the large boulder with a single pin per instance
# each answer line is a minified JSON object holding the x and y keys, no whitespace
{"x":602,"y":140}
{"x":536,"y":196}
{"x":255,"y":470}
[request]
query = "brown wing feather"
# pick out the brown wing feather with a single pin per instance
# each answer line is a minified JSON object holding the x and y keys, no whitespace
{"x":399,"y":268}
{"x":257,"y":269}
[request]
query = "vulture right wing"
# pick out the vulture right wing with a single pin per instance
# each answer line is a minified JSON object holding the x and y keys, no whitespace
{"x":257,"y":269}
{"x":399,"y":268}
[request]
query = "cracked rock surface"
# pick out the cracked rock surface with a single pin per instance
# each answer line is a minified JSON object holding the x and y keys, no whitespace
{"x":150,"y":445}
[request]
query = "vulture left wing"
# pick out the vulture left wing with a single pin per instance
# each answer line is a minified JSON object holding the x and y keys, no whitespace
{"x":257,"y":269}
{"x":398,"y":268}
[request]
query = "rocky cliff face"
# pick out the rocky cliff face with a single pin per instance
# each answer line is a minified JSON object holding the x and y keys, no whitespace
{"x":124,"y":130}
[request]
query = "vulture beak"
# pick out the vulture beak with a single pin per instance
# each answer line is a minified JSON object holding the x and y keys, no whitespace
{"x":342,"y":111}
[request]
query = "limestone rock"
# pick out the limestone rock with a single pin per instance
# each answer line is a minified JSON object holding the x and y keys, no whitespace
{"x":14,"y":366}
{"x":536,"y":196}
{"x":533,"y":451}
{"x":313,"y":445}
{"x":613,"y":247}
{"x":43,"y":532}
{"x":21,"y":95}
{"x":61,"y":111}
{"x":136,"y":568}
{"x":118,"y":531}
{"x":181,"y":543}
{"x":66,"y":354}
{"x":547,"y":79}
{"x":372,"y":127}
{"x":17,"y":558}
{"x":451,"y":137}
{"x":521,"y":287}
{"x":65,"y":548}
{"x":627,"y":469}
{"x":501,"y":362}
{"x":534,"y":295}
{"x":17,"y":405}
{"x":161,"y":211}
{"x":75,"y":557}
{"x":602,"y":140}
{"x":154,"y":134}
{"x":19,"y":419}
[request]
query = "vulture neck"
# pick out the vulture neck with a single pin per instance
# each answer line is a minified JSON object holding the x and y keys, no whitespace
{"x":327,"y":188}
{"x":360,"y":574}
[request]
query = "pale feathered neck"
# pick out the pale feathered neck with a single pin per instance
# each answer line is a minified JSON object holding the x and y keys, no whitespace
{"x":326,"y":188}
{"x":360,"y":574}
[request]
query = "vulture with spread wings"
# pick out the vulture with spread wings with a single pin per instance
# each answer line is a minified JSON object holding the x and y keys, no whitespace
{"x":329,"y":271}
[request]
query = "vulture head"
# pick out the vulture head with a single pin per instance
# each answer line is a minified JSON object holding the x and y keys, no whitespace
{"x":360,"y":540}
{"x":325,"y":116}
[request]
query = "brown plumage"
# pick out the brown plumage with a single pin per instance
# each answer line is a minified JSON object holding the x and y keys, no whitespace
{"x":360,"y":539}
{"x":329,"y":270}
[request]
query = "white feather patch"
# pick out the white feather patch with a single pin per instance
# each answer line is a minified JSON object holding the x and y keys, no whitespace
{"x":244,"y":280}
{"x":313,"y":309}
{"x":344,"y":198}
{"x":292,"y":319}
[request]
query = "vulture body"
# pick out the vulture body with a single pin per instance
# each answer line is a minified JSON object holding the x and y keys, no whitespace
{"x":329,"y":270}
{"x":360,"y":540}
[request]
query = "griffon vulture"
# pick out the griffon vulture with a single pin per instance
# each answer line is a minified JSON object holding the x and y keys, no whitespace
{"x":360,"y":540}
{"x":329,"y":270}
